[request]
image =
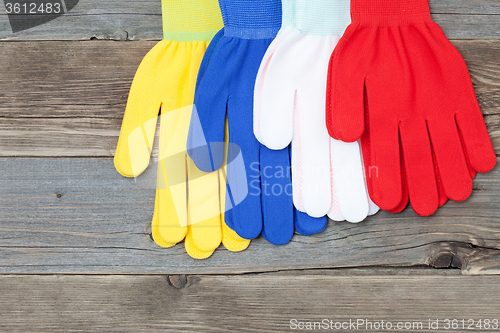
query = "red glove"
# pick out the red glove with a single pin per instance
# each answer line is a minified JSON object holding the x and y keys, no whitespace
{"x":395,"y":81}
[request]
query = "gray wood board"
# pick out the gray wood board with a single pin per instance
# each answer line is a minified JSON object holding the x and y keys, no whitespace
{"x":78,"y":215}
{"x":250,"y":303}
{"x":68,"y":98}
{"x":134,"y":20}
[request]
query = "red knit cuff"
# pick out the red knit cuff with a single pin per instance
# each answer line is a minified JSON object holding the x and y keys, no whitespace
{"x":389,"y":12}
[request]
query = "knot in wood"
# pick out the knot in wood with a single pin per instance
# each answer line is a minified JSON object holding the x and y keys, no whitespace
{"x":177,"y":281}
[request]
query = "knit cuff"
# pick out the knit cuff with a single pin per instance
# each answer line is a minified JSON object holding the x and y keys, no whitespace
{"x":188,"y":21}
{"x":287,"y":8}
{"x":251,"y":19}
{"x":253,"y":33}
{"x":389,"y":12}
{"x":323,"y":17}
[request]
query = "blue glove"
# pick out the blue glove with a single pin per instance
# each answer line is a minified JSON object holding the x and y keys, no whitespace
{"x":259,"y":194}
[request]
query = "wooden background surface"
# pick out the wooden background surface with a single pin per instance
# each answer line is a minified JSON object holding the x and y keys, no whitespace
{"x":75,"y":246}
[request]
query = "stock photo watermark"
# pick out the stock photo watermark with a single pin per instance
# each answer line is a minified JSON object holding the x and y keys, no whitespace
{"x":387,"y":325}
{"x":25,"y":15}
{"x":196,"y":195}
{"x":262,"y":179}
{"x":204,"y":179}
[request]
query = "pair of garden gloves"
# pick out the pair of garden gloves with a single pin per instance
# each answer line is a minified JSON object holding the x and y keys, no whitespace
{"x":263,"y":86}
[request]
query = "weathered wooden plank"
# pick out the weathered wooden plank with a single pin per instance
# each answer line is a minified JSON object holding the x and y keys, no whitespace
{"x":77,"y":215}
{"x":129,"y":20}
{"x":68,"y":98}
{"x":463,"y":26}
{"x":65,"y":94}
{"x":102,"y":19}
{"x":473,"y":7}
{"x":251,"y":303}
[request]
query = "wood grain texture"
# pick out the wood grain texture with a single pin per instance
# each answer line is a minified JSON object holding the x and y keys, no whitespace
{"x":77,"y":215}
{"x":68,"y":98}
{"x":139,"y":20}
{"x":101,"y":19}
{"x":252,"y":303}
{"x":64,"y":96}
{"x":473,"y":7}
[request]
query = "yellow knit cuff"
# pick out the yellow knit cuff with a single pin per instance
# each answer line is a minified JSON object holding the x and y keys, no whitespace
{"x":189,"y":21}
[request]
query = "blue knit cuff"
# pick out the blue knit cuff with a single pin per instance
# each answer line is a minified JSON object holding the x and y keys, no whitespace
{"x":251,"y":33}
{"x":251,"y":19}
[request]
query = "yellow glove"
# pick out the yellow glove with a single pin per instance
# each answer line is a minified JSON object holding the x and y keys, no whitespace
{"x":188,"y":203}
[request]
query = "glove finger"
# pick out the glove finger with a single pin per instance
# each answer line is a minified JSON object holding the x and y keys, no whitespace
{"x":417,"y":156}
{"x":197,"y":144}
{"x":232,"y":241}
{"x":149,"y":87}
{"x":310,"y":132}
{"x":261,"y":78}
{"x":225,"y":198}
{"x":441,"y":192}
{"x":404,"y":181}
{"x":307,"y":225}
{"x":173,"y":174}
{"x":243,"y":168}
{"x":233,"y":184}
{"x":208,"y":120}
{"x":373,"y":208}
{"x":450,"y":159}
{"x":345,"y":85}
{"x":155,"y":225}
{"x":349,"y":180}
{"x":204,"y":208}
{"x":193,"y":251}
{"x":277,"y":204}
{"x":277,"y":91}
{"x":207,"y":192}
{"x":311,"y":158}
{"x":442,"y":195}
{"x":173,"y":219}
{"x":244,"y":212}
{"x":382,"y":156}
{"x":296,"y":157}
{"x":476,"y":140}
